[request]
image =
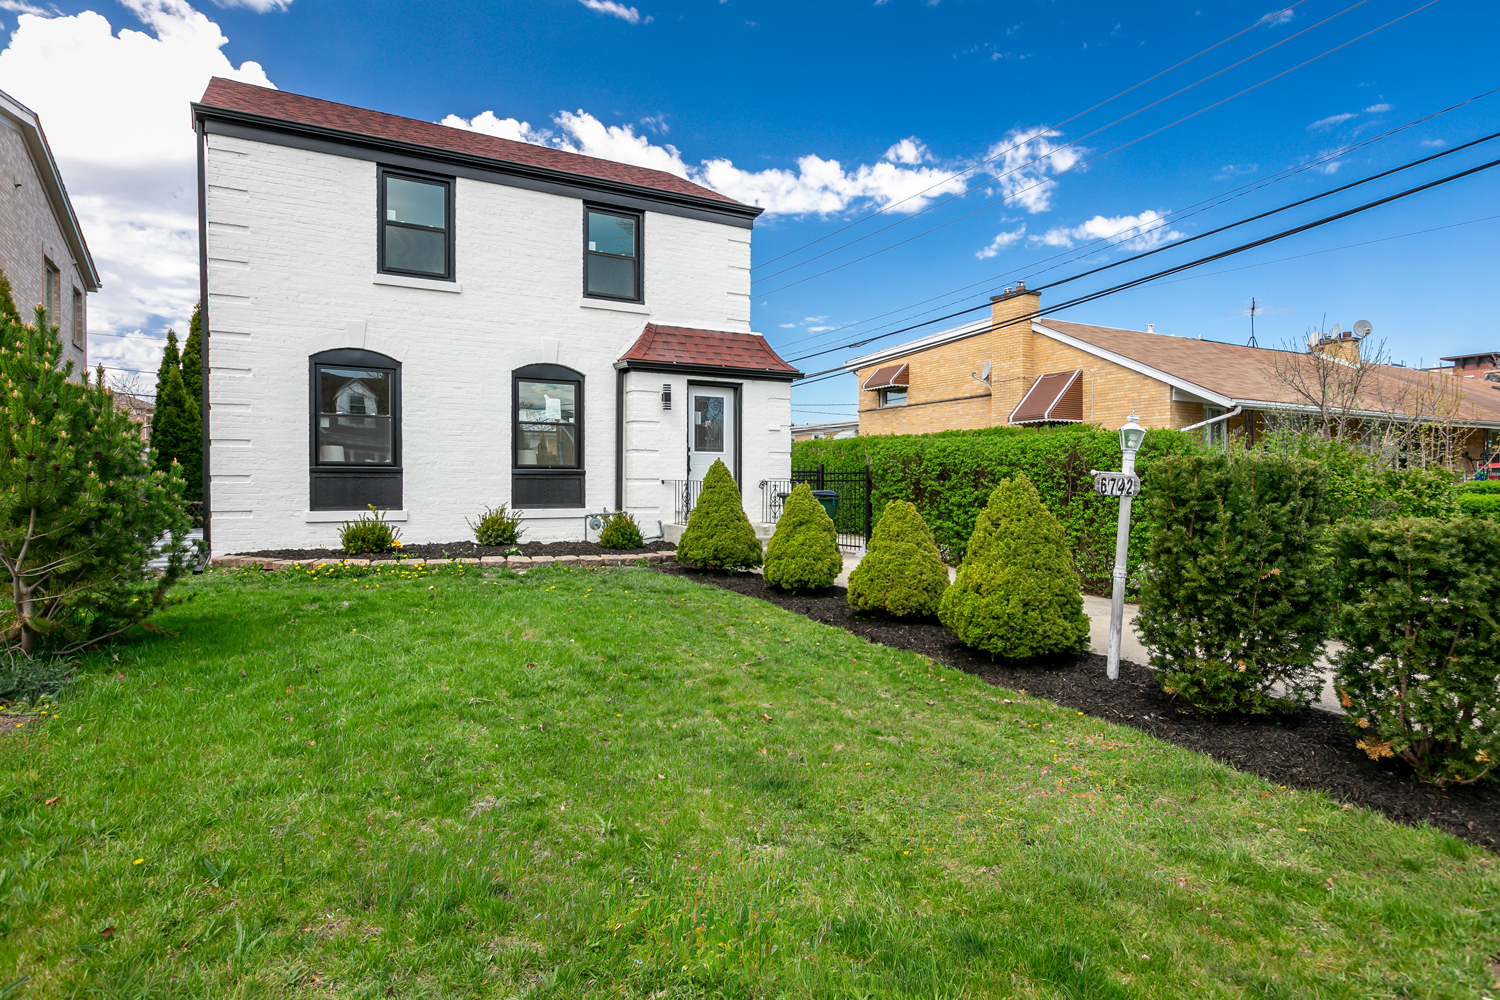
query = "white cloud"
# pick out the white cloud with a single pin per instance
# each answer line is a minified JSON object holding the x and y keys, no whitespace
{"x":813,"y":319}
{"x":1328,"y":167}
{"x":118,"y":124}
{"x":1377,"y":109}
{"x":19,"y":7}
{"x":1236,"y":170}
{"x":627,"y":14}
{"x":259,"y":6}
{"x":784,"y":326}
{"x":1139,"y":232}
{"x":1277,"y":17}
{"x":504,"y":128}
{"x":1001,"y":242}
{"x":1434,"y":143}
{"x":1323,"y":124}
{"x":910,"y":150}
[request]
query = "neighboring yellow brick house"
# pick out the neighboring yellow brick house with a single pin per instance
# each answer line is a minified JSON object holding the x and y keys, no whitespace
{"x":1015,"y":367}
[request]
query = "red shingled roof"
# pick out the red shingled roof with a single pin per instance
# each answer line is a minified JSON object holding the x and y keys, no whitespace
{"x":680,"y":345}
{"x":249,"y":99}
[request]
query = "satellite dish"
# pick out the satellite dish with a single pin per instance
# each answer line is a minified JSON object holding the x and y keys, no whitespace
{"x":1312,"y":339}
{"x":984,"y":373}
{"x":1362,"y":329}
{"x":1334,"y":333}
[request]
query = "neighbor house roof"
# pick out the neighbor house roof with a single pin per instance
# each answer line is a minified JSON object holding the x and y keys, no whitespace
{"x":703,"y":349}
{"x":280,"y":106}
{"x":30,"y":127}
{"x":1232,"y":375}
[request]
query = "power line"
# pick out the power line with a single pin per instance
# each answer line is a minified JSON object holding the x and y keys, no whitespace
{"x":1126,"y":285}
{"x":1053,"y":152}
{"x":1148,"y":135}
{"x":1045,"y":129}
{"x":1172,"y":218}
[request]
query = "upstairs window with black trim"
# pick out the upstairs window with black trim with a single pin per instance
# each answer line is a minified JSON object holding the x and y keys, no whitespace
{"x":612,"y":254}
{"x":416,"y":225}
{"x":356,"y":431}
{"x":547,"y":438}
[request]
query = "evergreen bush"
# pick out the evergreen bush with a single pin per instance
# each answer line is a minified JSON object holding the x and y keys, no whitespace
{"x":82,"y":511}
{"x":1017,"y":594}
{"x":949,"y":476}
{"x":368,"y":533}
{"x":718,"y":534}
{"x":1234,"y":607}
{"x":803,"y":553}
{"x":1420,"y":621}
{"x":497,"y":526}
{"x":901,"y":573}
{"x":177,"y":423}
{"x":620,"y":532}
{"x":1480,"y":498}
{"x":7,"y":303}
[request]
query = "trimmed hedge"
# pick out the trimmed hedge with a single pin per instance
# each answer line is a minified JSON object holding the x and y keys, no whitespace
{"x":1235,"y":604}
{"x":803,"y":554}
{"x":949,"y":476}
{"x":1420,"y":669}
{"x":1016,"y":596}
{"x":1480,"y":498}
{"x":901,"y":573}
{"x":718,"y":534}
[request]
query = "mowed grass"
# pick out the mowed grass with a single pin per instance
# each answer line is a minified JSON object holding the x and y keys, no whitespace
{"x":619,"y":783}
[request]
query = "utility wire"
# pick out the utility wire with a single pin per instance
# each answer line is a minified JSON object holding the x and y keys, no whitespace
{"x":1126,"y":285}
{"x":1172,"y":218}
{"x":992,"y":204}
{"x":1045,"y":129}
{"x":990,"y":179}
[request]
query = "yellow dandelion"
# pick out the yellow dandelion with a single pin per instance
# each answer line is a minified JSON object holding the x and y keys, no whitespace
{"x":138,"y":861}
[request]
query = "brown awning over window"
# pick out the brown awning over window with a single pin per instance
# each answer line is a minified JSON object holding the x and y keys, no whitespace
{"x":890,"y":375}
{"x":1057,"y":396}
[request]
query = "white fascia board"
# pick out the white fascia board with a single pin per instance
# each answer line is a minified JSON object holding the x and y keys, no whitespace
{"x":1262,"y":404}
{"x":912,"y":346}
{"x":1217,"y":398}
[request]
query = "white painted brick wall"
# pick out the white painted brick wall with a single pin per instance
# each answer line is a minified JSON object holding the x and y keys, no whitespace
{"x":291,"y":246}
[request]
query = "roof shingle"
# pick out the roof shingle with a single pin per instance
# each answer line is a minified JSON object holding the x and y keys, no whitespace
{"x":231,"y":95}
{"x":680,"y":345}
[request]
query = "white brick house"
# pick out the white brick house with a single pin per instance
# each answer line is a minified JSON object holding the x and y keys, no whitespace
{"x":42,"y":250}
{"x":435,"y":321}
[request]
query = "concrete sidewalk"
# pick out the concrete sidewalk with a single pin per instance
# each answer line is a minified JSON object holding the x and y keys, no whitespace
{"x":1098,"y":608}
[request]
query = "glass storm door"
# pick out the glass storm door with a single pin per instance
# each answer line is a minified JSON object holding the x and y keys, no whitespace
{"x":711,"y":430}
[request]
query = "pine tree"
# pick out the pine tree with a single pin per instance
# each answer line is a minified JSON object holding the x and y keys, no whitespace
{"x":1017,"y":594}
{"x":80,"y":511}
{"x":719,"y":535}
{"x":803,"y":554}
{"x":170,"y":361}
{"x":7,"y":303}
{"x":902,"y":572}
{"x":192,"y":358}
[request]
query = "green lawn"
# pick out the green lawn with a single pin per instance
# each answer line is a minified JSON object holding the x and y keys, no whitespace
{"x":619,"y":783}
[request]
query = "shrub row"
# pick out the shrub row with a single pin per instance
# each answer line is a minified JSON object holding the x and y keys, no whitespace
{"x":1480,"y":498}
{"x":949,"y":476}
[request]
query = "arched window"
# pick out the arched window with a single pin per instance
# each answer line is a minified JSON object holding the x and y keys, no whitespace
{"x":355,"y":431}
{"x":547,"y":437}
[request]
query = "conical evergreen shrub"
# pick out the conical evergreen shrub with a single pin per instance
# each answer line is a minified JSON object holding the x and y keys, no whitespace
{"x":902,"y":573}
{"x":718,"y":534}
{"x":7,"y":304}
{"x":1017,"y":594}
{"x":803,"y":554}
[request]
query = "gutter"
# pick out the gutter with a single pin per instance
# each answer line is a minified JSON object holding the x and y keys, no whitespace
{"x":203,"y":326}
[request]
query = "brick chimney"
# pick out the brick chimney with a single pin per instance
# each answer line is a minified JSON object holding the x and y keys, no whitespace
{"x":1338,"y":345}
{"x":1012,"y":347}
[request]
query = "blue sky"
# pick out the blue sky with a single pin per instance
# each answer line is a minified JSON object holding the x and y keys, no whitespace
{"x":765,"y":85}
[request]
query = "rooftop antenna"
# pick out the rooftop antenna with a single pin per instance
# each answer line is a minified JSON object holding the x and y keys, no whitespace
{"x":1252,"y":323}
{"x":1362,"y":329}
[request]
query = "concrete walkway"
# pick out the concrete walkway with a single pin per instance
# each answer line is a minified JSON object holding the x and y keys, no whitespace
{"x":1098,"y":608}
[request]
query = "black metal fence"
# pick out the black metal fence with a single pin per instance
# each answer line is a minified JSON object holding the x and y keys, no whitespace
{"x":683,"y":494}
{"x":853,"y":510}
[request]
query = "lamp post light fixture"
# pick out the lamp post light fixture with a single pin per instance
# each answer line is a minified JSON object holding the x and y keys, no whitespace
{"x":1124,"y":484}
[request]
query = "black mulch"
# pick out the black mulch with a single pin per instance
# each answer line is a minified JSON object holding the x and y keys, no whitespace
{"x":466,"y":550}
{"x":1311,"y":749}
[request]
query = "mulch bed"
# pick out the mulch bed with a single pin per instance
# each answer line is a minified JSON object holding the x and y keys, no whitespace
{"x":1311,"y":749}
{"x":467,"y":550}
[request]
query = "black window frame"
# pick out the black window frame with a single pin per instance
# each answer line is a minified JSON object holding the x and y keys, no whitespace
{"x":381,"y":223}
{"x":386,"y":479}
{"x":531,"y":485}
{"x":640,"y":251}
{"x":79,"y":340}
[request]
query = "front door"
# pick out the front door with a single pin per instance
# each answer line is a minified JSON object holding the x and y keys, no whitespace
{"x":711,"y":430}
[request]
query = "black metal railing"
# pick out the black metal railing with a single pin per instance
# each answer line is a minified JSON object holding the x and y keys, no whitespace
{"x":853,"y":509}
{"x":683,"y":497}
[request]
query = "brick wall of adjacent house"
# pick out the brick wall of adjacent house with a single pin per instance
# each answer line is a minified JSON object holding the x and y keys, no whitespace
{"x":944,"y":396}
{"x":292,"y":263}
{"x":30,"y":235}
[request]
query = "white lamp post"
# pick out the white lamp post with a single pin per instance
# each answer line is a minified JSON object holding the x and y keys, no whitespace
{"x":1131,"y":436}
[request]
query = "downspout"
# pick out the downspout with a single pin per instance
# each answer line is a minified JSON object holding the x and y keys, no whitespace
{"x":1213,"y":420}
{"x":619,"y":439}
{"x":203,"y":328}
